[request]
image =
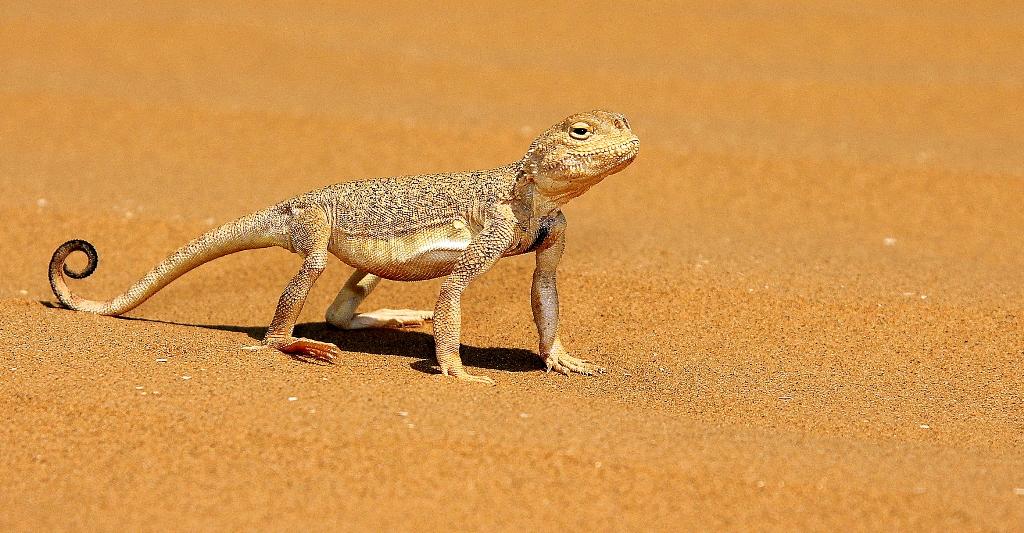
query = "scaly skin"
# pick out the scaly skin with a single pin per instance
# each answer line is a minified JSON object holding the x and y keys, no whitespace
{"x":409,"y":228}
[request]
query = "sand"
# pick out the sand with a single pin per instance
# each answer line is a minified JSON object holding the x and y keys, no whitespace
{"x":807,"y":289}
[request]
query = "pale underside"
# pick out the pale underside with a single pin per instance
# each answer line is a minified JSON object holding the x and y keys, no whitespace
{"x":427,"y":253}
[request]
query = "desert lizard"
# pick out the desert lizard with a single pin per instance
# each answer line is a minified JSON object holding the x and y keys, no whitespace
{"x":409,"y":228}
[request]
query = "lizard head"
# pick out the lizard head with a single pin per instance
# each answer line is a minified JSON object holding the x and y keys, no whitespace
{"x":575,"y":154}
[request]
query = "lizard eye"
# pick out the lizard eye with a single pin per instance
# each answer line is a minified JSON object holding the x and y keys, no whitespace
{"x":580,"y":131}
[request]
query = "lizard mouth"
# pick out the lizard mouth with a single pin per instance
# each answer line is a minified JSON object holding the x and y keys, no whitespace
{"x":597,"y":164}
{"x":629,"y":148}
{"x":621,"y":155}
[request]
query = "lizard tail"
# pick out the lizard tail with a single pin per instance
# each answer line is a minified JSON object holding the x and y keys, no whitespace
{"x":247,"y":233}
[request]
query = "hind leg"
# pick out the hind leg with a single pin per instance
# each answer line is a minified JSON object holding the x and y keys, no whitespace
{"x":310,"y":232}
{"x":342,"y":313}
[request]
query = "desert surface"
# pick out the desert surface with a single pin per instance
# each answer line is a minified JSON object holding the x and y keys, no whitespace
{"x":807,"y":289}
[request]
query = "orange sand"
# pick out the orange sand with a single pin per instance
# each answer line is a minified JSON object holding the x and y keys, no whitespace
{"x":807,"y":289}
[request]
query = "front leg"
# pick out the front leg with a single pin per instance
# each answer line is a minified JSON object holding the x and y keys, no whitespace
{"x":482,"y":253}
{"x":544,"y":299}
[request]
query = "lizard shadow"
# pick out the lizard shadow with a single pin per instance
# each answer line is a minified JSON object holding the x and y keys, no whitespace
{"x":418,"y":344}
{"x":399,"y":342}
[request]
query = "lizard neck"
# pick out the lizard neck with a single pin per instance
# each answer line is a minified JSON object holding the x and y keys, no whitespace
{"x":528,"y":197}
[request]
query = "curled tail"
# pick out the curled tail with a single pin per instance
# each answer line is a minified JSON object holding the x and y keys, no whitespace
{"x":258,"y":230}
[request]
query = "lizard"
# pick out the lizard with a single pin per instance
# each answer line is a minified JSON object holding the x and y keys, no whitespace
{"x":408,"y":228}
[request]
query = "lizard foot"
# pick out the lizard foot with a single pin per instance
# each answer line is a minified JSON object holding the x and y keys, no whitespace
{"x":564,"y":363}
{"x":387,"y":318}
{"x":302,"y":347}
{"x":462,"y":375}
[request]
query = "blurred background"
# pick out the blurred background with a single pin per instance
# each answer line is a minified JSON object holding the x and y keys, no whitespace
{"x":823,"y":127}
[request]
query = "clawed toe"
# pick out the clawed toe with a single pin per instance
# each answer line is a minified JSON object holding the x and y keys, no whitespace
{"x":321,"y":351}
{"x":404,"y":318}
{"x":566,"y":365}
{"x":553,"y":365}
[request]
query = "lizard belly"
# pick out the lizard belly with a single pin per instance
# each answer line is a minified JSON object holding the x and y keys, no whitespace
{"x":425,"y":254}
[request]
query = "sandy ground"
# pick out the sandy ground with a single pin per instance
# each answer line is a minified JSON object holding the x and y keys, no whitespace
{"x":807,"y":288}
